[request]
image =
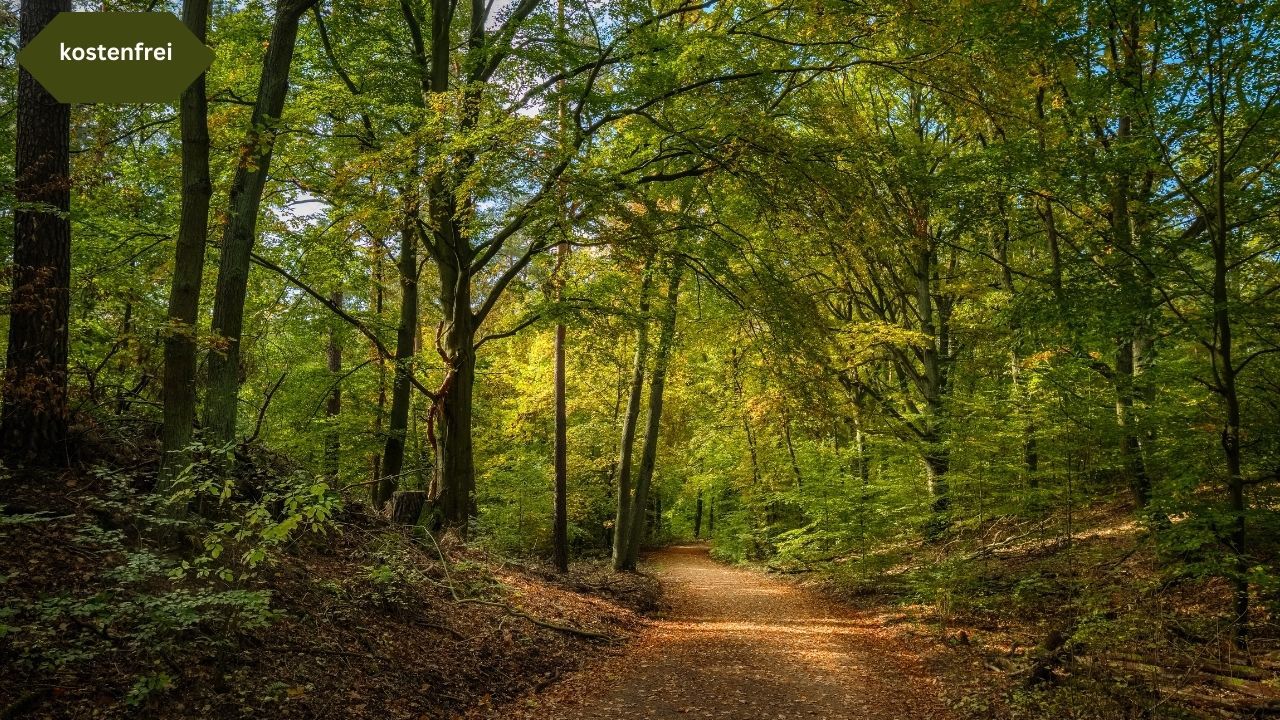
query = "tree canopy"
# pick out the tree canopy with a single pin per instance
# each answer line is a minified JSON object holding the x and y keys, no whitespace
{"x":838,"y":285}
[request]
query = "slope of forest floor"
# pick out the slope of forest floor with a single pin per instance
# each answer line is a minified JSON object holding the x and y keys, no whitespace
{"x":1037,"y":620}
{"x":364,"y":621}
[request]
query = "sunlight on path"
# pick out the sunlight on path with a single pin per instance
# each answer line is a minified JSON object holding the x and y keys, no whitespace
{"x":736,"y":643}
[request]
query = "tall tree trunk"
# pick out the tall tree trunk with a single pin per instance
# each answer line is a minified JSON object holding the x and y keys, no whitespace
{"x":401,"y":387}
{"x":864,"y":476}
{"x":1231,"y":445}
{"x":1225,"y":372}
{"x":649,"y":455}
{"x":455,"y":481}
{"x":622,"y":519}
{"x":240,"y":230}
{"x":936,"y":455}
{"x":746,"y":418}
{"x":380,"y":409}
{"x":34,"y":424}
{"x":561,"y":530}
{"x":1134,"y":294}
{"x":333,"y":408}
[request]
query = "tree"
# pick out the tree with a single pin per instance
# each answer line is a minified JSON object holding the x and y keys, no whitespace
{"x":622,"y":522}
{"x":241,"y":224}
{"x":653,"y":423}
{"x":34,"y":425}
{"x":560,"y":532}
{"x":333,"y":406}
{"x":406,"y":345}
{"x":1213,"y":147}
{"x":179,"y":386}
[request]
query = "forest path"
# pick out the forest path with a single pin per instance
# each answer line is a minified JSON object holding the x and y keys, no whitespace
{"x":736,"y":643}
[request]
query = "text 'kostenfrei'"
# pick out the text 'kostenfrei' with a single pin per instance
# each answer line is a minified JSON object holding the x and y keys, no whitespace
{"x":141,"y":51}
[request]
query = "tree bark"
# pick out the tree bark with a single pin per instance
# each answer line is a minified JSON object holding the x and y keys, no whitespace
{"x":375,"y":459}
{"x":455,"y":481}
{"x":622,"y":519}
{"x":1135,"y":296}
{"x":406,"y":506}
{"x":240,"y":229}
{"x":1130,"y":445}
{"x":936,"y":455}
{"x":333,"y":407}
{"x":1225,"y":372}
{"x":34,"y":424}
{"x":179,"y":385}
{"x":560,"y":532}
{"x":746,"y":419}
{"x":401,"y":387}
{"x":657,"y":381}
{"x":863,"y":460}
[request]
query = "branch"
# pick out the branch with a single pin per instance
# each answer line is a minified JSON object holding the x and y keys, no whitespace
{"x":507,"y":333}
{"x":337,"y":310}
{"x":262,"y":411}
{"x":505,"y":279}
{"x":537,"y":621}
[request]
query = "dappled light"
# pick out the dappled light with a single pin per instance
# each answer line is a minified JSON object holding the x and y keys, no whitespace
{"x":732,"y":642}
{"x":613,"y":359}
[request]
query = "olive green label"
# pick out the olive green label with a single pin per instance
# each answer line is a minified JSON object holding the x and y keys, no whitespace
{"x":115,"y":57}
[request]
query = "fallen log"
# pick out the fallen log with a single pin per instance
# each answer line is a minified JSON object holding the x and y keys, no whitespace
{"x":1236,"y":705}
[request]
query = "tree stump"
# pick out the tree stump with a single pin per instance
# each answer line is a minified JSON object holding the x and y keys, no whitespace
{"x":406,"y":506}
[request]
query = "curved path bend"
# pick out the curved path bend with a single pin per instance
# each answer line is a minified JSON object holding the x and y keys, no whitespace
{"x":736,"y":643}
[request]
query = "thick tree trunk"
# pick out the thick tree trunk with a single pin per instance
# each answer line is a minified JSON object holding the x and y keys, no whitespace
{"x":34,"y":424}
{"x":455,"y":480}
{"x":240,"y":230}
{"x":649,"y":455}
{"x":333,"y":407}
{"x":401,"y":387}
{"x":179,"y":386}
{"x":622,"y":519}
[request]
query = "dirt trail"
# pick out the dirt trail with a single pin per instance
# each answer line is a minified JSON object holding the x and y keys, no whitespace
{"x":735,"y":643}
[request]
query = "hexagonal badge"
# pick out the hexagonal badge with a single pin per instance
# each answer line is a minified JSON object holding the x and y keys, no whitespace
{"x":115,"y":57}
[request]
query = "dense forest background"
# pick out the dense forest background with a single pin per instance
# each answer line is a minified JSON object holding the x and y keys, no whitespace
{"x":975,"y":305}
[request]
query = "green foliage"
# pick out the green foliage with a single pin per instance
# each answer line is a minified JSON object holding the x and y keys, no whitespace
{"x":147,"y":688}
{"x":255,"y":525}
{"x":957,"y":300}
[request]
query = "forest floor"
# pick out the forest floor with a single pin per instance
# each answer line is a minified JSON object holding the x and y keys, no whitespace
{"x":367,"y":621}
{"x":736,"y":643}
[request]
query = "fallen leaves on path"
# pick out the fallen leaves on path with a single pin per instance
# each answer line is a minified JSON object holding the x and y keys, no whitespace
{"x":735,"y":643}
